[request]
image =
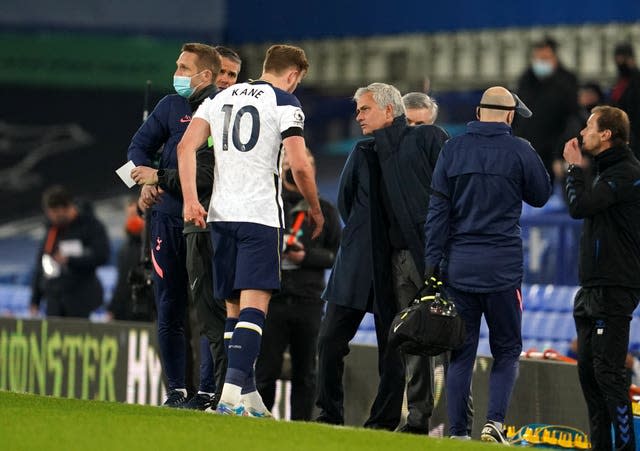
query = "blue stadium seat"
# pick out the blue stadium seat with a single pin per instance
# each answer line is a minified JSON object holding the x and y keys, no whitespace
{"x":21,"y":296}
{"x":14,"y":299}
{"x":483,"y":347}
{"x":634,"y":336}
{"x":547,"y":298}
{"x":484,"y":329}
{"x":557,"y":326}
{"x":368,"y":323}
{"x":108,"y":276}
{"x":560,"y":298}
{"x":531,"y":323}
{"x":531,"y":296}
{"x":365,"y":338}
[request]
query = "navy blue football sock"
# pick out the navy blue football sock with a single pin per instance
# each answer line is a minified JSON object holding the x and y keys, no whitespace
{"x":245,"y":346}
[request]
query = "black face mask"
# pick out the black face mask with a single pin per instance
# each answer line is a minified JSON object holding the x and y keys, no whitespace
{"x":623,"y":69}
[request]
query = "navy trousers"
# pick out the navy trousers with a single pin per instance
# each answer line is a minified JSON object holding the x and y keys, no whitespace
{"x":503,"y":313}
{"x":168,"y":256}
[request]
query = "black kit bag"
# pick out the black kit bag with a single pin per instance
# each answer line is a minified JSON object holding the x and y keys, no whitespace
{"x":427,"y":327}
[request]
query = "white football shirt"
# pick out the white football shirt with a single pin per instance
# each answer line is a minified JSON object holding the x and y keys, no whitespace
{"x":248,"y":123}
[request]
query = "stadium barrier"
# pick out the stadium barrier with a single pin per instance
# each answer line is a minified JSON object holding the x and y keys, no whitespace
{"x":79,"y":359}
{"x":546,"y":392}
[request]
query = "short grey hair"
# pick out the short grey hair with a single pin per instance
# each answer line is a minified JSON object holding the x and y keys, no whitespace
{"x":419,"y":100}
{"x":383,"y":94}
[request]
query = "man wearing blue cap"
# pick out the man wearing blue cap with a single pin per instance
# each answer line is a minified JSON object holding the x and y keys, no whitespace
{"x":473,"y":240}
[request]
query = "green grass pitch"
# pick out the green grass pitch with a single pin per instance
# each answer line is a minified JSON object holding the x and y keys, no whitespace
{"x":32,"y":422}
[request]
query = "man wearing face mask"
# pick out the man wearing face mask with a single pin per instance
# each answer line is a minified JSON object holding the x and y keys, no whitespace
{"x":473,"y":240}
{"x":625,"y":94}
{"x":197,"y":68}
{"x":552,"y":92}
{"x":207,"y":314}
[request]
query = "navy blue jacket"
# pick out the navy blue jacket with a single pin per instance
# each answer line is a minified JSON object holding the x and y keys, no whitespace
{"x":165,"y":125}
{"x":473,"y":225}
{"x":403,"y":157}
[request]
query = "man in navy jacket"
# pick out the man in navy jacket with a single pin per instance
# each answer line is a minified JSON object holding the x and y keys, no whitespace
{"x":473,"y":237}
{"x":382,"y":199}
{"x":197,"y":68}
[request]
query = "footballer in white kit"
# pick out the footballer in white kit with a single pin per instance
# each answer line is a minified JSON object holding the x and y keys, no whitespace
{"x":248,"y":122}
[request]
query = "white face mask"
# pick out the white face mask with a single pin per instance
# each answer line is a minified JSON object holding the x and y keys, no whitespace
{"x":542,"y":68}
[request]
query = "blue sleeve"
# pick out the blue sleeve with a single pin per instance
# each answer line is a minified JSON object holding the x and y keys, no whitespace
{"x":436,"y":227}
{"x":537,"y":187}
{"x":151,"y":135}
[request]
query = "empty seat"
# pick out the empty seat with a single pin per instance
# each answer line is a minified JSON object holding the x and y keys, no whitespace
{"x":531,"y":324}
{"x":561,"y":298}
{"x":483,"y":347}
{"x":634,"y":336}
{"x":557,"y":326}
{"x":368,"y":323}
{"x":365,"y":337}
{"x":531,"y":297}
{"x":484,"y":329}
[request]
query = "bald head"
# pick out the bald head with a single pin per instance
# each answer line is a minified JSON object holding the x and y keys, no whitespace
{"x":498,"y":96}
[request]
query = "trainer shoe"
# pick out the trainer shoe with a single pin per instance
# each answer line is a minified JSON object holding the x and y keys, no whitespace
{"x":460,"y":437}
{"x":175,"y":398}
{"x":201,"y":401}
{"x":228,"y":409}
{"x":492,"y":433}
{"x":255,"y":413}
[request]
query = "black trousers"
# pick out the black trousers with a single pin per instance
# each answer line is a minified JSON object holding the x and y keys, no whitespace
{"x":339,"y":326}
{"x":210,"y":313}
{"x":419,"y":369}
{"x":603,"y":341}
{"x":295,"y":325}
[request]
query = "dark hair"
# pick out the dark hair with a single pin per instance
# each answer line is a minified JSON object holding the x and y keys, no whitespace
{"x":208,"y":57}
{"x":593,"y":86}
{"x":624,"y":49}
{"x":616,"y":121}
{"x":56,"y":196}
{"x":547,"y":41}
{"x":282,"y":57}
{"x":226,"y":52}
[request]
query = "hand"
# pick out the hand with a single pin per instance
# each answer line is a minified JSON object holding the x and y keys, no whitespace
{"x":317,"y":220}
{"x":144,"y":175}
{"x":34,"y":310}
{"x":62,"y":259}
{"x":149,"y":195}
{"x":294,"y":252}
{"x":432,"y":285}
{"x":572,"y":153}
{"x":195,"y":212}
